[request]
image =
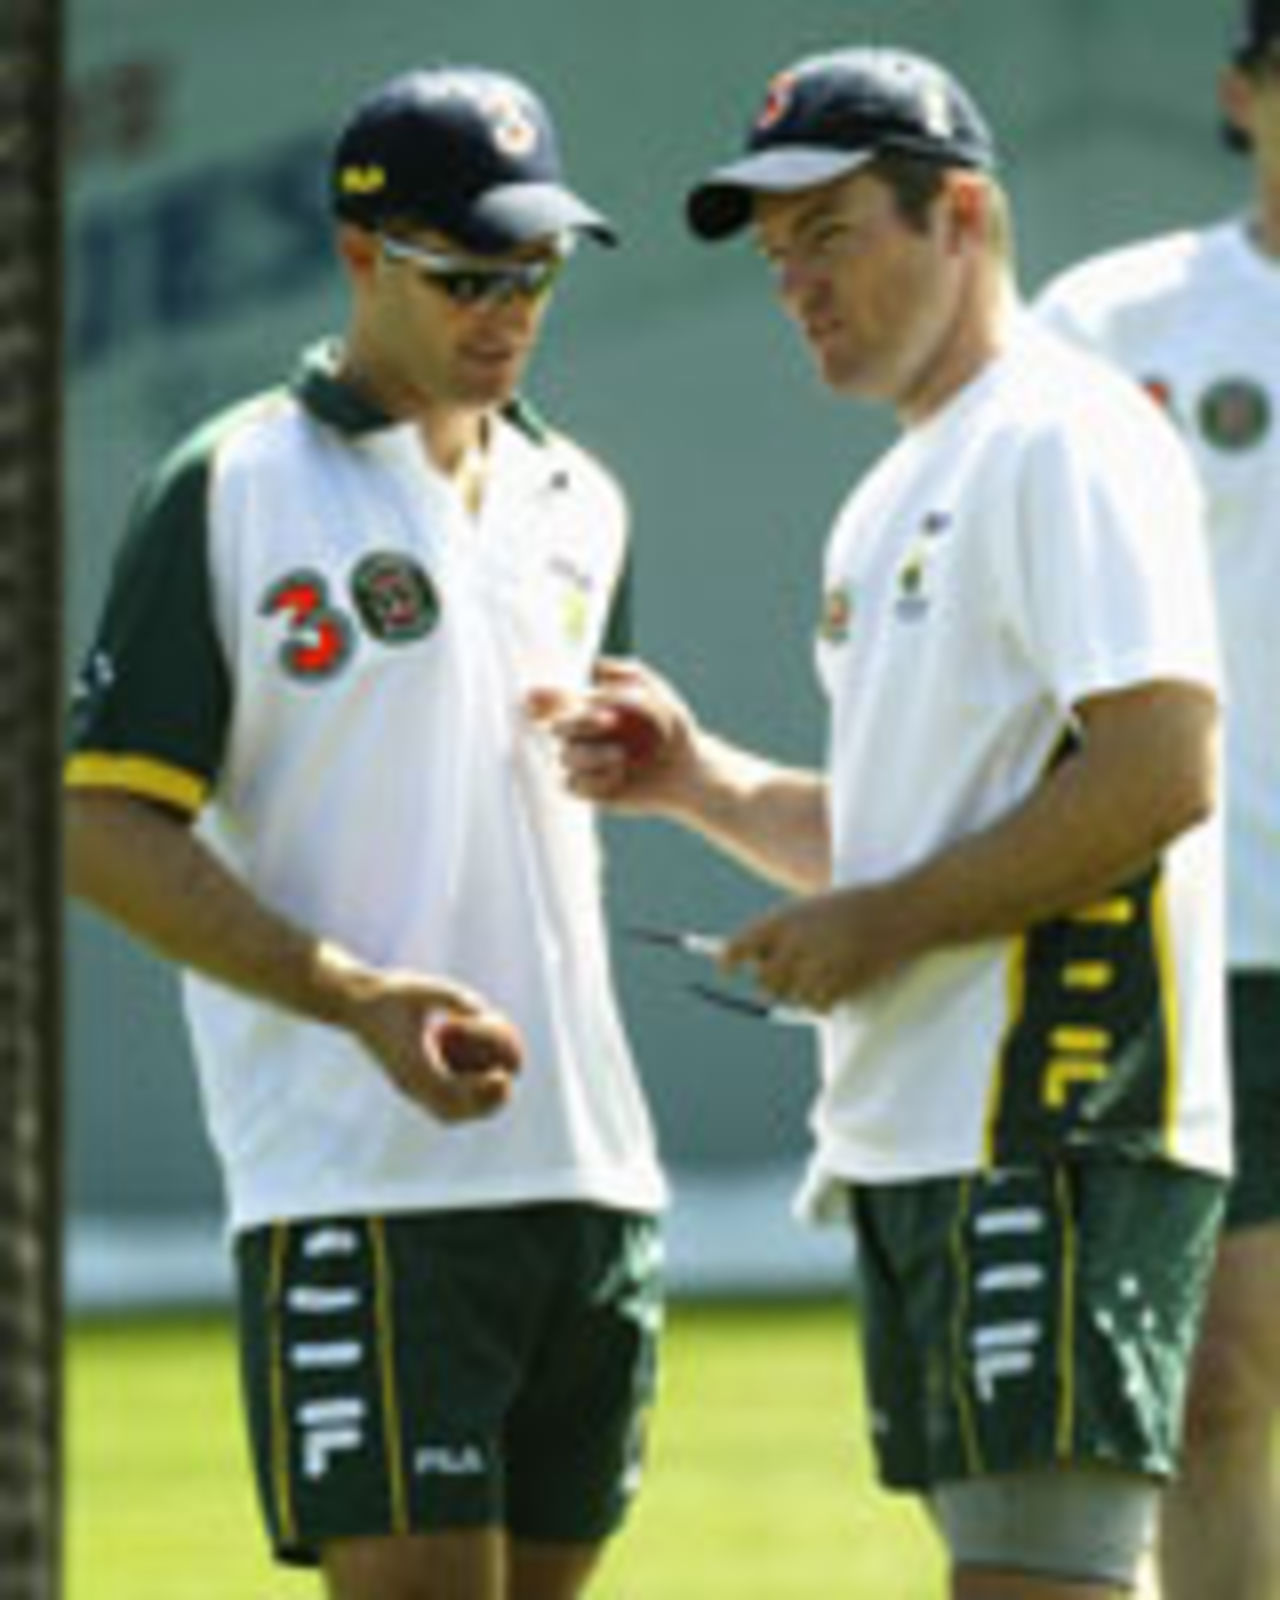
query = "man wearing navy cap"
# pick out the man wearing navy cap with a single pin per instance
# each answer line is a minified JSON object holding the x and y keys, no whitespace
{"x":301,"y":770}
{"x":1005,"y":888}
{"x":1195,"y":316}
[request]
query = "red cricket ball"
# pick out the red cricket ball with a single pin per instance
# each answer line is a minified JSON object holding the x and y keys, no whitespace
{"x":477,"y":1041}
{"x":636,"y":730}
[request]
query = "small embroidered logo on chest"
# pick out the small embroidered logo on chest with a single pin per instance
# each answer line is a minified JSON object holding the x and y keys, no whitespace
{"x":574,"y":585}
{"x":575,"y":614}
{"x":837,"y":615}
{"x":914,"y":583}
{"x":396,"y":599}
{"x":1161,"y":391}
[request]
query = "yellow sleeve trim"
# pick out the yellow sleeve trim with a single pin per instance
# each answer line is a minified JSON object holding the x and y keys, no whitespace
{"x":140,"y":775}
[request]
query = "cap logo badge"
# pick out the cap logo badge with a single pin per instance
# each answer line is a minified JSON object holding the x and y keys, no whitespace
{"x":777,"y":101}
{"x":362,"y":180}
{"x":514,"y":131}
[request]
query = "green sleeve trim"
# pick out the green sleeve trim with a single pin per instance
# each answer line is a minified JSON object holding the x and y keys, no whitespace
{"x":156,"y":687}
{"x":619,"y":634}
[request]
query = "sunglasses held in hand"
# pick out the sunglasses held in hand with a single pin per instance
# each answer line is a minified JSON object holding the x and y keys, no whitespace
{"x":711,"y":947}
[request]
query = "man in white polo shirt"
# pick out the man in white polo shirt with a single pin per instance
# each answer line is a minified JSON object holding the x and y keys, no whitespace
{"x":1195,"y":317}
{"x":300,"y":769}
{"x":1006,"y":883}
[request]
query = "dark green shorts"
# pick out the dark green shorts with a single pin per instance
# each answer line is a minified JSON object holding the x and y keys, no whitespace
{"x":449,"y":1370}
{"x":1019,"y":1319}
{"x":1255,"y":1069}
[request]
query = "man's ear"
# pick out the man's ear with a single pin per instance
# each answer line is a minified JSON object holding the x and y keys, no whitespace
{"x":967,"y":201}
{"x":1235,"y":98}
{"x":357,"y":250}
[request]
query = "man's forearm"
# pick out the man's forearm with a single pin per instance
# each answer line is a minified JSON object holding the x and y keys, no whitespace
{"x":769,"y":818}
{"x":1143,"y":776}
{"x":143,"y":868}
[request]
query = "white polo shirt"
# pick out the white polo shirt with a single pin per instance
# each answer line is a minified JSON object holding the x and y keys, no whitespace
{"x":1033,"y":544}
{"x":312,"y":645}
{"x":1195,"y":316}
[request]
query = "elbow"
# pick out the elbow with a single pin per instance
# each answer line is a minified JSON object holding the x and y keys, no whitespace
{"x":1201,"y":805}
{"x":1192,"y":788}
{"x":1180,"y":810}
{"x":1191,"y":800}
{"x":815,"y":873}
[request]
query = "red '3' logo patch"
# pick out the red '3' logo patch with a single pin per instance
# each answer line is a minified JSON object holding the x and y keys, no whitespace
{"x":320,"y":638}
{"x":395,"y":602}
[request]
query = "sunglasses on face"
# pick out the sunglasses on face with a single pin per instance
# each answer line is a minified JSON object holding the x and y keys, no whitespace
{"x":471,"y":283}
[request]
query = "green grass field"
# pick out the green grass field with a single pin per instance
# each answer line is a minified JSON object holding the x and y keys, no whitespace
{"x":759,"y":1486}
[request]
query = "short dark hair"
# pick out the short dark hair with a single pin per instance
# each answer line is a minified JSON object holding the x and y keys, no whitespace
{"x":1259,"y":31}
{"x":1253,"y":62}
{"x":915,"y":183}
{"x":1257,"y":51}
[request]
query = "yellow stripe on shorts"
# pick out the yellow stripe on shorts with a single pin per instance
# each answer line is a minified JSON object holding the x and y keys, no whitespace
{"x":1066,"y":1426}
{"x":280,"y":1475}
{"x":387,"y":1368}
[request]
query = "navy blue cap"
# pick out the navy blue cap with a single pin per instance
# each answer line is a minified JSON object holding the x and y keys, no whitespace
{"x":1260,"y":29}
{"x":467,"y":151}
{"x":828,"y":115}
{"x":1258,"y":36}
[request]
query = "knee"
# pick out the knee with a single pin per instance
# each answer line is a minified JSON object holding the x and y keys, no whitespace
{"x":1233,"y":1390}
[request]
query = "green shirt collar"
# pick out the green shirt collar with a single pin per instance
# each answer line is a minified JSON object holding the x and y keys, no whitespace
{"x":317,"y":385}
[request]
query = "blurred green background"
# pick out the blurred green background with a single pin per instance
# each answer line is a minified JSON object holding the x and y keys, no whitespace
{"x":759,"y":1484}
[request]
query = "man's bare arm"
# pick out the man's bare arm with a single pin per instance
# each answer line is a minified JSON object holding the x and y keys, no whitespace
{"x":139,"y":864}
{"x":770,"y":818}
{"x":1143,"y":773}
